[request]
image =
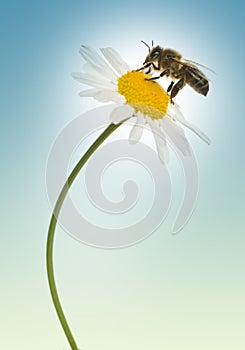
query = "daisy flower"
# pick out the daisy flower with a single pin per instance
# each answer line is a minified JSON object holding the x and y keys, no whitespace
{"x":112,"y":80}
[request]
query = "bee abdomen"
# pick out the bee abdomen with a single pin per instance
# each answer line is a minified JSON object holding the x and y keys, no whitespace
{"x":199,"y":84}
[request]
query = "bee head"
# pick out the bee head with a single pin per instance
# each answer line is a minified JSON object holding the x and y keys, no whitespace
{"x":154,"y":54}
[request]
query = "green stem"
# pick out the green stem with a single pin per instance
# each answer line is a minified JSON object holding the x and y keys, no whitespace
{"x":52,"y":227}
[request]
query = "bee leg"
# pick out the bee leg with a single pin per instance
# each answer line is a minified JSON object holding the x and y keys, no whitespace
{"x":144,"y":67}
{"x":138,"y":70}
{"x":154,"y":78}
{"x":177,"y":87}
{"x":170,"y":86}
{"x":166,"y":71}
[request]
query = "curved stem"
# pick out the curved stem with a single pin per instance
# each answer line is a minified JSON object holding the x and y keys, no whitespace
{"x":52,"y":227}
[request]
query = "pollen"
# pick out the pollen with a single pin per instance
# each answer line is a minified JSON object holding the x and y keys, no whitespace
{"x":145,"y":96}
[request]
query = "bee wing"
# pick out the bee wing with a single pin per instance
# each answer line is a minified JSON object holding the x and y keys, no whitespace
{"x":200,"y":65}
{"x":192,"y":69}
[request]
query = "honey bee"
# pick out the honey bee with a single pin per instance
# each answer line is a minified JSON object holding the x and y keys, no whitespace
{"x":182,"y":71}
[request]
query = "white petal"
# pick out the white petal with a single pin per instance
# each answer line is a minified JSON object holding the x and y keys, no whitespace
{"x":89,"y":93}
{"x":160,"y":141}
{"x":88,"y":79}
{"x":197,"y":131}
{"x":181,"y":119}
{"x":115,"y":60}
{"x":176,"y":135}
{"x":109,"y":95}
{"x":97,"y":62}
{"x":98,"y":72}
{"x":175,"y":112}
{"x":121,"y":113}
{"x":137,"y":129}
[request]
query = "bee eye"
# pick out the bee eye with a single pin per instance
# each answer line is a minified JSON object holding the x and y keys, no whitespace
{"x":155,"y":54}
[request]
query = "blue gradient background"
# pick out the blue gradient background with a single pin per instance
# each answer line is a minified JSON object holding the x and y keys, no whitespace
{"x":175,"y":293}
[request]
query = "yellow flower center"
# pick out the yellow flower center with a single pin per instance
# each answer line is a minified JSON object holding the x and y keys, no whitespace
{"x":145,"y":96}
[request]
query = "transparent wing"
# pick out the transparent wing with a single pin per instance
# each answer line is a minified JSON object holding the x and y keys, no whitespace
{"x":200,"y":65}
{"x":192,"y":69}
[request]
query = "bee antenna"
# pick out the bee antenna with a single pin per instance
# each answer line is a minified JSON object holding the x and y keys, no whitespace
{"x":152,"y":43}
{"x":146,"y":45}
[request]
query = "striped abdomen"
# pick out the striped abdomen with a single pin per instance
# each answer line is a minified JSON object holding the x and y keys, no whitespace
{"x":196,"y":79}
